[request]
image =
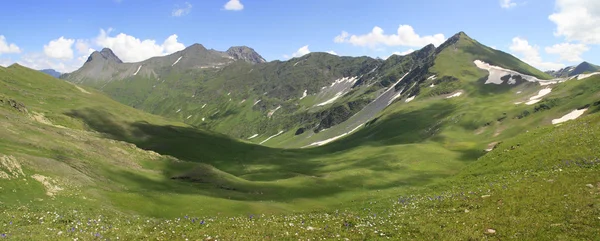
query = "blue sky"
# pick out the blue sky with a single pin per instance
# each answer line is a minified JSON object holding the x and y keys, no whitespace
{"x":548,"y":34}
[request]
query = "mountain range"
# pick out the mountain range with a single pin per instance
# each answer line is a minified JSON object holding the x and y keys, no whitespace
{"x":289,"y":103}
{"x":451,"y":142}
{"x":583,"y":68}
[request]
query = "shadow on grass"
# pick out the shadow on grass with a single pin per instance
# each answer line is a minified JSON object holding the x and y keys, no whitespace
{"x":403,"y":127}
{"x":233,"y":159}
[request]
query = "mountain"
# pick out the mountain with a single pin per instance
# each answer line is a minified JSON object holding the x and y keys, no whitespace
{"x":51,"y":72}
{"x":70,"y":155}
{"x":245,"y":53}
{"x":238,"y":94}
{"x":583,"y":68}
{"x":561,"y":73}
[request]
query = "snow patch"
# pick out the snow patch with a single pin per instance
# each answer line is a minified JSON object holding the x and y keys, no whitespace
{"x":278,"y":133}
{"x":337,"y":96}
{"x":537,"y":98}
{"x":304,"y":94}
{"x":432,"y":77}
{"x":138,"y":70}
{"x":177,"y":61}
{"x":373,"y":70}
{"x":273,"y":111}
{"x":457,"y":94}
{"x":178,"y":111}
{"x":256,"y":102}
{"x":252,"y":137}
{"x":409,"y":99}
{"x":323,"y":142}
{"x":202,"y":118}
{"x":203,"y":106}
{"x":571,"y":116}
{"x":496,"y":73}
{"x":583,"y":76}
{"x":190,"y":116}
{"x":395,"y":96}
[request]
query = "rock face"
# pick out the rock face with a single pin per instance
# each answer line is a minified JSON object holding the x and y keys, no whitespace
{"x":245,"y":53}
{"x":14,"y":104}
{"x":105,"y":54}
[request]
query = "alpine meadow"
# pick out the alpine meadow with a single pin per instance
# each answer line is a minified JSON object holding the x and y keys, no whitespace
{"x":483,"y":124}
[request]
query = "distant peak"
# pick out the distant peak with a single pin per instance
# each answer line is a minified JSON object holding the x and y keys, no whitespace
{"x":460,"y":35}
{"x":245,"y":53}
{"x":104,"y":54}
{"x":196,"y":46}
{"x":15,"y":65}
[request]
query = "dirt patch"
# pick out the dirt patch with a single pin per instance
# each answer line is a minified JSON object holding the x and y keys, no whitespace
{"x":49,"y":184}
{"x":39,"y":117}
{"x":480,"y":130}
{"x":82,"y":90}
{"x":10,"y":168}
{"x":499,"y":131}
{"x":491,"y":146}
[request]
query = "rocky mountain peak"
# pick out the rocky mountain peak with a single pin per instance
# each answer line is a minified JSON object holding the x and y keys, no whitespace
{"x":245,"y":53}
{"x":104,"y":54}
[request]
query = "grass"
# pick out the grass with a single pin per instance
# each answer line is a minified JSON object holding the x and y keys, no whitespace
{"x":417,"y":172}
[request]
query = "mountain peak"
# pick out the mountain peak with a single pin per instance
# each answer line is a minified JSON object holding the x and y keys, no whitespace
{"x":245,"y":53}
{"x":51,"y":72}
{"x":195,"y":46}
{"x":104,"y":54}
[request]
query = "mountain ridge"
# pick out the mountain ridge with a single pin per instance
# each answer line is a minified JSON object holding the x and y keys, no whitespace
{"x":317,"y":91}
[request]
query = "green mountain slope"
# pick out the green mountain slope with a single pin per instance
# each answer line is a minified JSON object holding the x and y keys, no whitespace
{"x":297,"y":98}
{"x":70,"y":155}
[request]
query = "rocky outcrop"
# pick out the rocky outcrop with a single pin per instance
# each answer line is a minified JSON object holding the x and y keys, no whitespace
{"x":245,"y":53}
{"x":18,"y":106}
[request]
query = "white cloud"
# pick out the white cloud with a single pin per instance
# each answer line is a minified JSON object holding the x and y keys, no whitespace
{"x":60,"y":48}
{"x":507,"y":4}
{"x":405,"y":36}
{"x":531,"y":55}
{"x":299,"y":53}
{"x":400,"y":53}
{"x":578,"y":20}
{"x":6,"y":48}
{"x":132,"y":49}
{"x":82,"y":46}
{"x":182,"y":10}
{"x":42,"y":61}
{"x":234,"y":5}
{"x":332,"y":52}
{"x":568,"y":52}
{"x":6,"y":62}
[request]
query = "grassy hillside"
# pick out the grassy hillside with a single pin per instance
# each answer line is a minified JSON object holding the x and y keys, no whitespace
{"x":542,"y":184}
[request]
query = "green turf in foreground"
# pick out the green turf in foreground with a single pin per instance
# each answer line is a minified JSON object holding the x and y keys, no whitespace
{"x":529,"y":187}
